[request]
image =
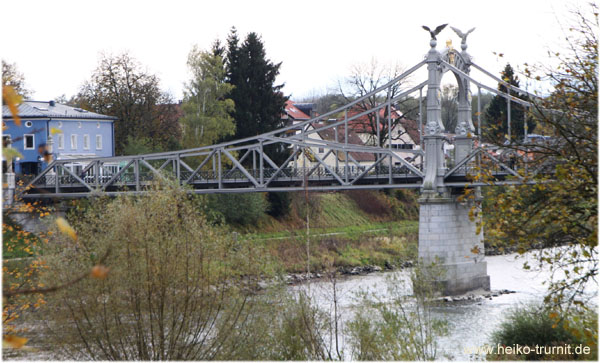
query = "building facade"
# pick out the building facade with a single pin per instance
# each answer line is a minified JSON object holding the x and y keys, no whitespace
{"x":51,"y":131}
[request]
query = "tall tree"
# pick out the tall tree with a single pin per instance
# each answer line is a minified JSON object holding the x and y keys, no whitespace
{"x":259,"y":102}
{"x":562,"y":208}
{"x":496,"y":126}
{"x":12,"y":77}
{"x":449,"y":107}
{"x":365,"y":78}
{"x":120,"y":87}
{"x":206,"y":105}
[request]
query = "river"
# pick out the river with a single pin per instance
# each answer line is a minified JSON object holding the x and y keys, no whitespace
{"x":470,"y":323}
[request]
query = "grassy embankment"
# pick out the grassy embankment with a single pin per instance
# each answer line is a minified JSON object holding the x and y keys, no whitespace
{"x":347,"y":229}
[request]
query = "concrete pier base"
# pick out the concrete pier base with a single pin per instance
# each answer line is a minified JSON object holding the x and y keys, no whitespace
{"x":448,"y":236}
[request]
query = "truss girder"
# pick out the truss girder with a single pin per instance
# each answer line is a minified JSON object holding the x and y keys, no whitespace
{"x":244,"y":166}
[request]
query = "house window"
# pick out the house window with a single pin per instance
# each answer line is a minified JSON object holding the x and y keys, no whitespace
{"x":98,"y":142}
{"x":86,"y":142}
{"x":79,"y":124}
{"x":73,"y":142}
{"x":403,"y":146}
{"x":321,"y":150}
{"x":28,"y":123}
{"x":60,"y":140}
{"x":28,"y":142}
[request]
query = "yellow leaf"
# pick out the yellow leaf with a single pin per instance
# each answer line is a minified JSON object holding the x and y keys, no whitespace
{"x":553,"y":315}
{"x":8,"y":153}
{"x":12,"y":100}
{"x":99,"y":272}
{"x":12,"y":341}
{"x":54,"y":131}
{"x":66,"y":228}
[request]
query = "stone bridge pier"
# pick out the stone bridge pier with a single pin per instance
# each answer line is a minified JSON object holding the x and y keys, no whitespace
{"x":448,"y":237}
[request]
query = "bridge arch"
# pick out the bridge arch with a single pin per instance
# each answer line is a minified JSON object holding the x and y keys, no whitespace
{"x":462,"y":61}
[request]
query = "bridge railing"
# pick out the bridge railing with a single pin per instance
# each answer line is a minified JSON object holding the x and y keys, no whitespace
{"x":500,"y":165}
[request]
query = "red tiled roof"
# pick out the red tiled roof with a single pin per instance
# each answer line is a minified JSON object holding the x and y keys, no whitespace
{"x":293,"y":112}
{"x":412,"y":129}
{"x":363,"y":124}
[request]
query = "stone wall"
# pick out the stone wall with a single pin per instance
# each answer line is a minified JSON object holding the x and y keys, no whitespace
{"x":447,"y":235}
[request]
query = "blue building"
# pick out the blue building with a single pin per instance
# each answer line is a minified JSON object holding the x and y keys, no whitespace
{"x":79,"y":133}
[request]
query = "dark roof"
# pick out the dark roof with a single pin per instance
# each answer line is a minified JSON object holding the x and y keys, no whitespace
{"x":306,"y":107}
{"x":43,"y":109}
{"x":353,"y":139}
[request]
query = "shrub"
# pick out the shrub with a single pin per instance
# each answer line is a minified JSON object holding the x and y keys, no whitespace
{"x":279,"y":204}
{"x":239,"y":208}
{"x":370,"y":202}
{"x":537,"y":325}
{"x":401,"y":327}
{"x":177,"y":287}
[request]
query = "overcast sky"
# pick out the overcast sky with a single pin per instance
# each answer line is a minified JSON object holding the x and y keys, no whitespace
{"x":56,"y":44}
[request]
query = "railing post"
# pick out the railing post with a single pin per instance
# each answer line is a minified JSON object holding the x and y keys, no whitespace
{"x":9,"y":190}
{"x":136,"y":172}
{"x":378,"y":122}
{"x":219,"y":169}
{"x":178,"y":168}
{"x":479,"y":114}
{"x":261,"y":164}
{"x":97,"y":173}
{"x":421,"y":117}
{"x":525,"y":126}
{"x":337,"y":156}
{"x":56,"y":180}
{"x":508,"y":117}
{"x":214,"y":165}
{"x":389,"y":117}
{"x":346,"y":171}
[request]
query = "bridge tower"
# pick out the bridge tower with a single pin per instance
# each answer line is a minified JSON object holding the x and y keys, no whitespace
{"x":446,"y":233}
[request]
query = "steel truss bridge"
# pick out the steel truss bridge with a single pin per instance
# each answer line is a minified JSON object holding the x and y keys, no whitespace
{"x":244,"y":166}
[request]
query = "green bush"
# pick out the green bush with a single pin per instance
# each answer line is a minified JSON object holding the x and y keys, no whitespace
{"x":239,"y":208}
{"x":279,"y":204}
{"x":177,"y":288}
{"x":536,"y":325}
{"x":402,"y":327}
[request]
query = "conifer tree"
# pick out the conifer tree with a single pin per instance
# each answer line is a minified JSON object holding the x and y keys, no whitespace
{"x":496,"y":126}
{"x":259,"y":102}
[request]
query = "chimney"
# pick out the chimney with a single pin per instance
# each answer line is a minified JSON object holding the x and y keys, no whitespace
{"x":52,"y":103}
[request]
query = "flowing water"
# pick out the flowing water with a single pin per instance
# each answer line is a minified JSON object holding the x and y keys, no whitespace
{"x":470,"y":323}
